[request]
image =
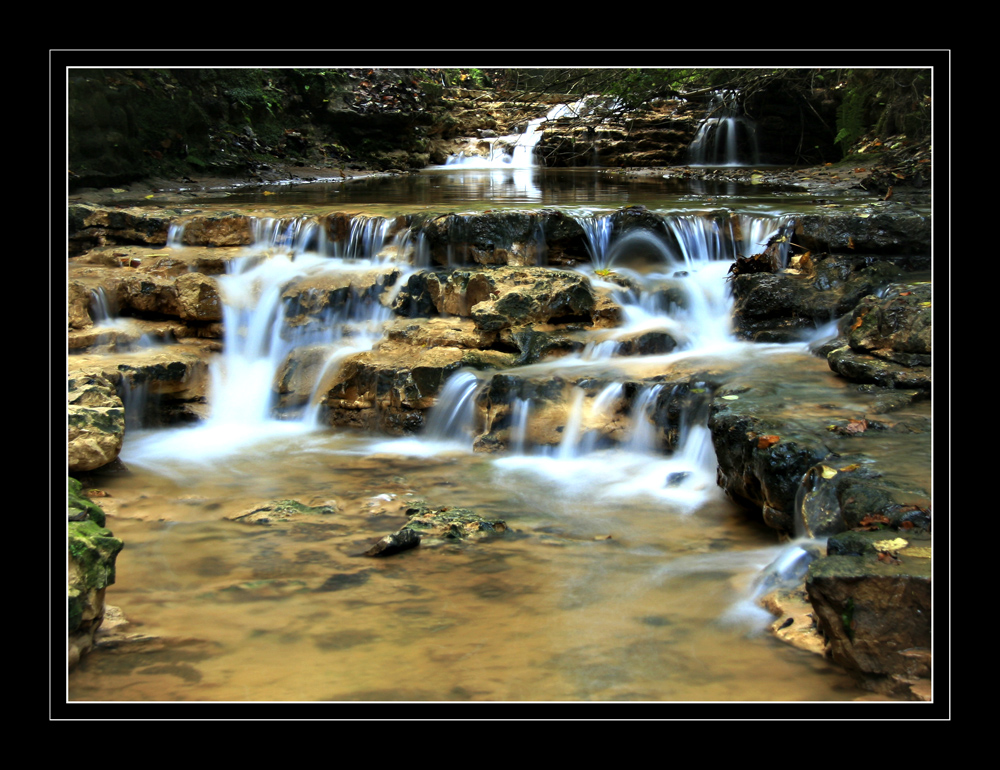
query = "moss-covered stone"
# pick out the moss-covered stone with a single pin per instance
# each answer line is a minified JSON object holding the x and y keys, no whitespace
{"x":92,"y":552}
{"x":81,"y":507}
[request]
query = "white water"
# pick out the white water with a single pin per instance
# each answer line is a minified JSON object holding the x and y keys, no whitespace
{"x":725,"y":137}
{"x":638,"y":539}
{"x":517,"y":151}
{"x":257,"y":340}
{"x":694,"y":254}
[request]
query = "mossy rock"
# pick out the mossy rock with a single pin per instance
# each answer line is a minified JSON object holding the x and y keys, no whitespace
{"x":81,"y":507}
{"x":92,"y":554}
{"x":281,"y":510}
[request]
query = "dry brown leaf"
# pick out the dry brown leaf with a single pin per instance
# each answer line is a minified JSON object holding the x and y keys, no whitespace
{"x":765,"y":441}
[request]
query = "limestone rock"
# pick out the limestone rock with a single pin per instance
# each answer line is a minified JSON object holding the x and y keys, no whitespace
{"x":283,"y":510}
{"x":96,"y":418}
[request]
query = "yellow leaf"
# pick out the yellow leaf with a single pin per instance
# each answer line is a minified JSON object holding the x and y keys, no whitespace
{"x":890,"y":545}
{"x":827,"y":472}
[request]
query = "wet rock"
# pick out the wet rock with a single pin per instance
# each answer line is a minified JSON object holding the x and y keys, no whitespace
{"x":861,"y":367}
{"x":390,"y":545}
{"x":448,"y":331}
{"x":489,"y":238}
{"x":96,"y":225}
{"x":779,"y":306}
{"x":192,"y":296}
{"x":760,"y":474}
{"x":895,"y":326}
{"x":217,"y":230}
{"x":896,"y":233}
{"x":889,"y":339}
{"x":876,"y":614}
{"x":535,"y":344}
{"x":839,"y":495}
{"x":451,"y":523}
{"x":96,"y":418}
{"x":390,"y":387}
{"x":283,"y":510}
{"x":78,"y":305}
{"x":336,"y":297}
{"x":795,"y":621}
{"x":506,"y":297}
{"x":436,"y":524}
{"x":93,"y":551}
{"x":197,"y":298}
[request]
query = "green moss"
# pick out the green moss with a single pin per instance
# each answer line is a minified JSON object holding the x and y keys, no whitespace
{"x":78,"y":503}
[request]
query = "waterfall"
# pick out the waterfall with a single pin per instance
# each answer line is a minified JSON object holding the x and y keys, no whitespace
{"x":642,"y":435}
{"x":725,"y":137}
{"x":101,"y":308}
{"x":597,"y":231}
{"x":453,"y":417}
{"x":259,"y":341}
{"x":517,"y":151}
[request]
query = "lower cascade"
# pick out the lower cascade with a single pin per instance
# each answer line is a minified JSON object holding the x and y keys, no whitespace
{"x":567,"y":376}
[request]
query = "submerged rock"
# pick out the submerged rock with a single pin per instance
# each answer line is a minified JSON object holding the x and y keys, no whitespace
{"x":283,"y":510}
{"x":436,"y":524}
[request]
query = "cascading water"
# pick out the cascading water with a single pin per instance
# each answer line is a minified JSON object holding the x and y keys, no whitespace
{"x":259,"y":340}
{"x":681,"y":290}
{"x":517,"y":151}
{"x":726,"y":137}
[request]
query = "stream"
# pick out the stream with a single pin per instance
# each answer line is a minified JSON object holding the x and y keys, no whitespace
{"x":606,"y":586}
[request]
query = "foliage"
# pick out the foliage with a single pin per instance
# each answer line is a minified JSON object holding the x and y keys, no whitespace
{"x":883,"y":103}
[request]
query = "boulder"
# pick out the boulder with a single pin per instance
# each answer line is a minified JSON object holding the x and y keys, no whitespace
{"x":96,"y":422}
{"x":779,"y":306}
{"x":874,"y":608}
{"x":889,"y":339}
{"x":92,"y":553}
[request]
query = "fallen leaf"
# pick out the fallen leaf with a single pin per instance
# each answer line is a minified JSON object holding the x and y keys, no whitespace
{"x":888,"y":194}
{"x":730,"y":398}
{"x":875,"y":518}
{"x":765,"y":441}
{"x":890,"y":545}
{"x":827,"y":472}
{"x":856,"y":426}
{"x":888,"y":558}
{"x":850,"y":242}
